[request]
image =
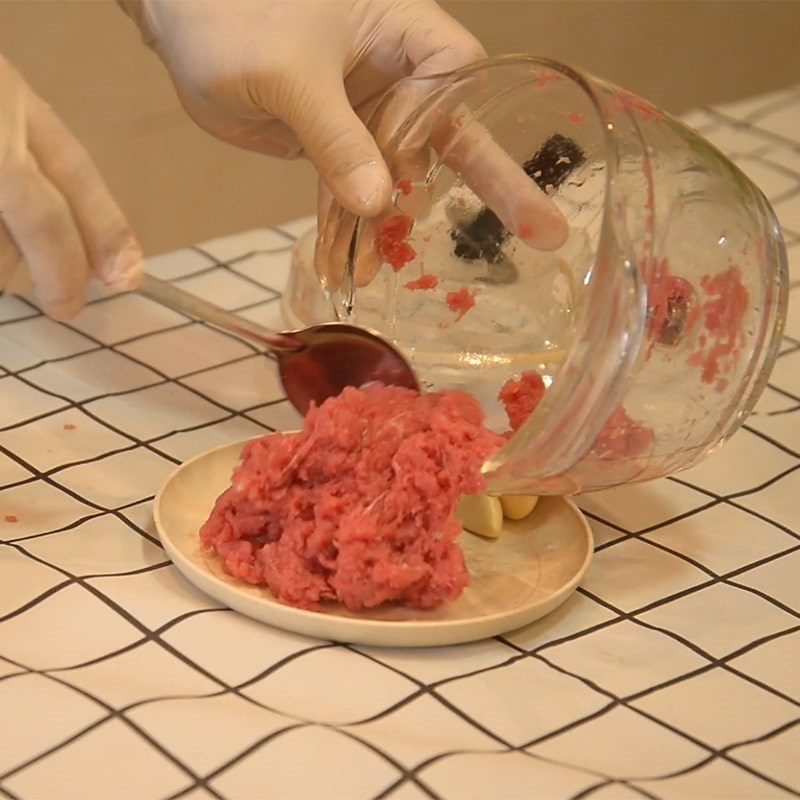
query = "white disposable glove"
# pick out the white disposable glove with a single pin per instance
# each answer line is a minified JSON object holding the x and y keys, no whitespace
{"x":289,"y":78}
{"x":56,"y":214}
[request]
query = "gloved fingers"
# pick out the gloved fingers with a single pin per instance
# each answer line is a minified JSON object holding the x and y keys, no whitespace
{"x":434,"y":42}
{"x":113,"y":251}
{"x":264,"y":134}
{"x":337,"y":143}
{"x":414,"y":37}
{"x":276,"y":138}
{"x":41,"y":224}
{"x":414,"y":40}
{"x":10,"y":257}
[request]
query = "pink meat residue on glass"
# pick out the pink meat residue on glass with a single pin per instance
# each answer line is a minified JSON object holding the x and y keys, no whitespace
{"x":460,"y":302}
{"x":423,"y":283}
{"x":404,"y":186}
{"x":392,"y":244}
{"x":675,"y":308}
{"x":68,"y":426}
{"x":358,"y":506}
{"x":576,"y":119}
{"x":723,"y":313}
{"x":636,"y":106}
{"x":521,"y":396}
{"x":525,"y":230}
{"x":11,"y":518}
{"x":671,"y":312}
{"x":548,"y":76}
{"x":621,"y":436}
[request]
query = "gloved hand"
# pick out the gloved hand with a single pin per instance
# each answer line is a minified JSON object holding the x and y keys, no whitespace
{"x":289,"y":78}
{"x":56,"y":213}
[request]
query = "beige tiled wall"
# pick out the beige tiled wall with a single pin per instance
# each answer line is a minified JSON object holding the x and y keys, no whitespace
{"x":179,"y":186}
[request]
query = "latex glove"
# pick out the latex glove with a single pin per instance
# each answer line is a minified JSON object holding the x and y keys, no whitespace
{"x":289,"y":78}
{"x":55,"y":211}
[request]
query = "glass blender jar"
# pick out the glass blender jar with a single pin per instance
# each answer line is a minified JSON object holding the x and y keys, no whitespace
{"x":652,"y":329}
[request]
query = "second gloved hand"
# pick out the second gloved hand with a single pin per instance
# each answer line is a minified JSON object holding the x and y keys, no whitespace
{"x":56,"y":216}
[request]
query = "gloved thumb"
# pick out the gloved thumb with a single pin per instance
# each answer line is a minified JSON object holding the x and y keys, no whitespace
{"x":340,"y":147}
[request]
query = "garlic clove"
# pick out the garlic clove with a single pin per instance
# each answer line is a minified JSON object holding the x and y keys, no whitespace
{"x":518,"y":506}
{"x":481,"y":514}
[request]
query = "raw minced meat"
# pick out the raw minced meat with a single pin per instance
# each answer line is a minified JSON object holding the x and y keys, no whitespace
{"x":460,"y":302}
{"x":392,"y":244}
{"x":423,"y":283}
{"x":358,"y":506}
{"x":521,"y":397}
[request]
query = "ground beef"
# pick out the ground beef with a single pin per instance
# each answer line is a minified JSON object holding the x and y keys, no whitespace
{"x":358,"y":507}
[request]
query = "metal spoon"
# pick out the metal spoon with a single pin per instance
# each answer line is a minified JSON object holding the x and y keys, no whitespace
{"x":314,"y":363}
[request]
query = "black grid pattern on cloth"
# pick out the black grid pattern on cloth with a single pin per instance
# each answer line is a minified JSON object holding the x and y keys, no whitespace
{"x":124,"y":627}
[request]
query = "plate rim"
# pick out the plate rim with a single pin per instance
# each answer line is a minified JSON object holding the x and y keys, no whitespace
{"x":184,"y":564}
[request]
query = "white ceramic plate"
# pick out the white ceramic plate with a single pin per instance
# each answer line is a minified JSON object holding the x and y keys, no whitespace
{"x":529,"y":571}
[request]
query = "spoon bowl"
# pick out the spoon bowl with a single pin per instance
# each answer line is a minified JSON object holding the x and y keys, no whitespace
{"x":332,"y":356}
{"x":314,"y":363}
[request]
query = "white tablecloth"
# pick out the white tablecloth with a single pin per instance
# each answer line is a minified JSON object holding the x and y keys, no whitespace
{"x":673,"y":672}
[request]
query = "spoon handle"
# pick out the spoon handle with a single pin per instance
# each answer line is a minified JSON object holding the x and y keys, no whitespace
{"x":178,"y":300}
